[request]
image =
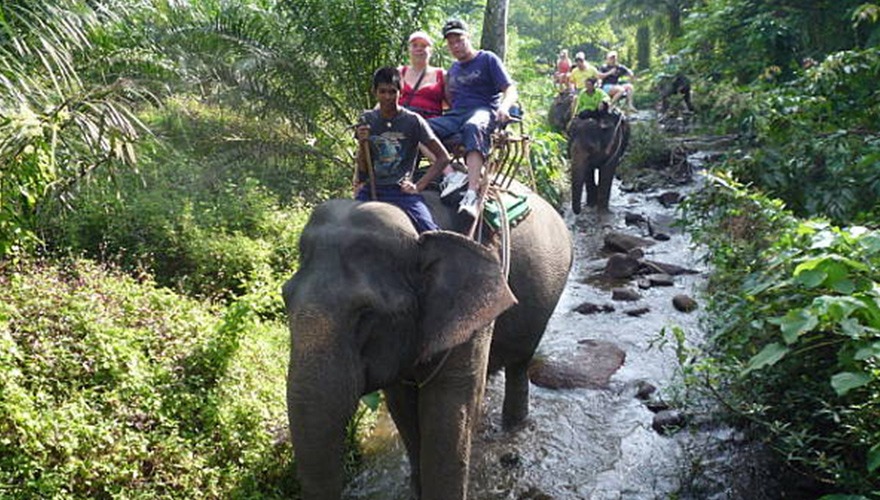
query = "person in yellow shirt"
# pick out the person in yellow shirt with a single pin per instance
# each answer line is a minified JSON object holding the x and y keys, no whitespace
{"x":582,"y":71}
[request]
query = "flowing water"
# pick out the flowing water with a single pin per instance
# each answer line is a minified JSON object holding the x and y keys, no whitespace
{"x":598,"y":443}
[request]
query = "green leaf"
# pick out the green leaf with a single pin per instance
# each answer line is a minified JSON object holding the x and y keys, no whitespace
{"x":874,"y":458}
{"x":844,"y":382}
{"x":844,"y":286}
{"x":769,"y":355}
{"x":867,"y":352}
{"x":810,"y":278}
{"x":795,"y":323}
{"x":871,"y":243}
{"x":372,"y":400}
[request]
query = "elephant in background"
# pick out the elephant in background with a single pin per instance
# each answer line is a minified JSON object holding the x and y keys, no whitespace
{"x":374,"y":306}
{"x":562,"y":110}
{"x":595,"y":145}
{"x":672,"y":85}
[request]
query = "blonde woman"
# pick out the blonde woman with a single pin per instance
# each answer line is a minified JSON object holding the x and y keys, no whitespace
{"x":424,"y":86}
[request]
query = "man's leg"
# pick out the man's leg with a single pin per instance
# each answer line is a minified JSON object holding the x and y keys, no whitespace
{"x":628,"y":88}
{"x":443,"y":127}
{"x":475,"y":134}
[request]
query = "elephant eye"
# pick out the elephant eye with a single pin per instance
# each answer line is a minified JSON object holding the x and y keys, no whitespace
{"x":364,"y":321}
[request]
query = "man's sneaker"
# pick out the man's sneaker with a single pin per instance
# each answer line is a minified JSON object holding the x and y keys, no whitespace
{"x":452,"y":182}
{"x":469,"y":203}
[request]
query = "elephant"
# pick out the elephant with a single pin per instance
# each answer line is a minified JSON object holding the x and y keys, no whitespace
{"x":561,"y":110}
{"x":374,"y":305}
{"x":595,"y":145}
{"x":672,"y":85}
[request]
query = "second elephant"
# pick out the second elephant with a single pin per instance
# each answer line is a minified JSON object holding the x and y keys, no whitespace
{"x":595,"y":146}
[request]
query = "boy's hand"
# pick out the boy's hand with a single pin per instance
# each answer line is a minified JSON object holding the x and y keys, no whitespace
{"x":362,"y":132}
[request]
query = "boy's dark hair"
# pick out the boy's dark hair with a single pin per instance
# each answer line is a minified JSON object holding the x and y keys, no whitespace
{"x":593,"y":80}
{"x":386,"y":74}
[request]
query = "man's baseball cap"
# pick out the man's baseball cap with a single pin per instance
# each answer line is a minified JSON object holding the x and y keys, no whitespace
{"x":454,"y":27}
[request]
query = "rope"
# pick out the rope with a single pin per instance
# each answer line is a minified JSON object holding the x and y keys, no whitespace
{"x":434,"y":372}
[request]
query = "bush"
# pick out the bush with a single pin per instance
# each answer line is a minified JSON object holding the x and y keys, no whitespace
{"x":203,"y":240}
{"x":111,"y":387}
{"x":795,"y":332}
{"x":813,"y":142}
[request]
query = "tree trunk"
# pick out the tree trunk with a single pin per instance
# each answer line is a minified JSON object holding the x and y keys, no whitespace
{"x":675,"y":22}
{"x":643,"y":47}
{"x":495,"y":27}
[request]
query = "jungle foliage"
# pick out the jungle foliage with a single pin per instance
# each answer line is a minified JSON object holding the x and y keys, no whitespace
{"x":175,"y":149}
{"x":795,"y":319}
{"x":793,"y":296}
{"x":115,"y":387}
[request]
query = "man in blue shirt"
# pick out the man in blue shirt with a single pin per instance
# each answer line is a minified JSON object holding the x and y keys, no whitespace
{"x":480,"y":92}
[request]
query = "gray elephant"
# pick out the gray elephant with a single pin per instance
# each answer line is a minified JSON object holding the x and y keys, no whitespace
{"x":595,"y":145}
{"x":670,"y":85}
{"x":561,"y":110}
{"x":374,"y":306}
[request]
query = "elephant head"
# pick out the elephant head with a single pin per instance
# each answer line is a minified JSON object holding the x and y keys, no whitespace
{"x":371,"y":303}
{"x":561,"y":110}
{"x":595,"y":145}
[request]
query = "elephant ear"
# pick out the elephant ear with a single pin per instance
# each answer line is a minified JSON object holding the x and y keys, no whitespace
{"x":463,"y":290}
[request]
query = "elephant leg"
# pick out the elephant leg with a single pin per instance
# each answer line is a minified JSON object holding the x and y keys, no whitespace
{"x":578,"y":175}
{"x":686,"y":95}
{"x":606,"y":176}
{"x":449,"y":410}
{"x":591,"y":187}
{"x":516,"y":395}
{"x":403,"y":404}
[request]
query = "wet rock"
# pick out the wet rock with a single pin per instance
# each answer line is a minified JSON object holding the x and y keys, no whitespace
{"x":590,"y":308}
{"x":625,"y":294}
{"x":661,"y":236}
{"x":634,"y":219}
{"x":660,"y":280}
{"x":643,"y":283}
{"x":645,"y":389}
{"x":621,"y":266}
{"x":636,"y":253}
{"x":591,"y":366}
{"x":637,"y":312}
{"x":623,"y":243}
{"x":684,"y":303}
{"x":510,"y":460}
{"x":654,"y":267}
{"x":657,"y":405}
{"x":668,"y":422}
{"x":534,"y":493}
{"x":670,"y":198}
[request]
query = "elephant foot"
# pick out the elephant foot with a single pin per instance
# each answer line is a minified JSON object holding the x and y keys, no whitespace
{"x":512,"y":425}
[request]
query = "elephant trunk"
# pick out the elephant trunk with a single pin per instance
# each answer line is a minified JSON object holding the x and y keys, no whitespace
{"x":324,"y":384}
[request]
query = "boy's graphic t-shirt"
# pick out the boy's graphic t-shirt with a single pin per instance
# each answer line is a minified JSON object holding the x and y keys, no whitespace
{"x":394,"y":144}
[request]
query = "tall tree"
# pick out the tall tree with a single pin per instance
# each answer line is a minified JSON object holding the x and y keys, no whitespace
{"x":495,"y":27}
